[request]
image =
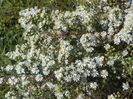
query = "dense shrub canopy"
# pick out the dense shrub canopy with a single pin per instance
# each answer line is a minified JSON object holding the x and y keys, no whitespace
{"x":73,"y":53}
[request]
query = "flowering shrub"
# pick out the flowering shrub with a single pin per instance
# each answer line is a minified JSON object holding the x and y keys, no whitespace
{"x":79,"y":53}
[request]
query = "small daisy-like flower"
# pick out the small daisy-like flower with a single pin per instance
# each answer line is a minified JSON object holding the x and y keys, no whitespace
{"x":12,"y":80}
{"x":93,"y":85}
{"x":125,"y":86}
{"x":39,"y":77}
{"x":104,"y":73}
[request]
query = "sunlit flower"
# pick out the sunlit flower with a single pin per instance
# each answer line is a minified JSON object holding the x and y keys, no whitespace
{"x":125,"y":86}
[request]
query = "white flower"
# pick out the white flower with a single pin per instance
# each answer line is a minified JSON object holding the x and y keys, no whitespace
{"x":58,"y":73}
{"x":1,"y":80}
{"x":104,"y":73}
{"x":88,"y":41}
{"x":67,"y":93}
{"x":99,"y":60}
{"x":93,"y":85}
{"x":8,"y":95}
{"x":19,"y":69}
{"x":76,"y":77}
{"x":59,"y":95}
{"x":12,"y":80}
{"x":107,"y":47}
{"x":25,"y":83}
{"x":68,"y":78}
{"x":80,"y":96}
{"x":94,"y":73}
{"x":26,"y":94}
{"x":51,"y":63}
{"x":125,"y":52}
{"x":50,"y":85}
{"x":87,"y":73}
{"x":9,"y":67}
{"x":125,"y":86}
{"x":111,"y":97}
{"x":46,"y":71}
{"x":103,"y":34}
{"x":34,"y":70}
{"x":91,"y":65}
{"x":39,"y":77}
{"x":111,"y":61}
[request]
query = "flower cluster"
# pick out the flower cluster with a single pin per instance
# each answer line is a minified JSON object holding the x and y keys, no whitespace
{"x":71,"y":53}
{"x":125,"y":33}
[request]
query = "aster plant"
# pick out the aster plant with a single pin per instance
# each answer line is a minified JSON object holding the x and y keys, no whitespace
{"x":78,"y":53}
